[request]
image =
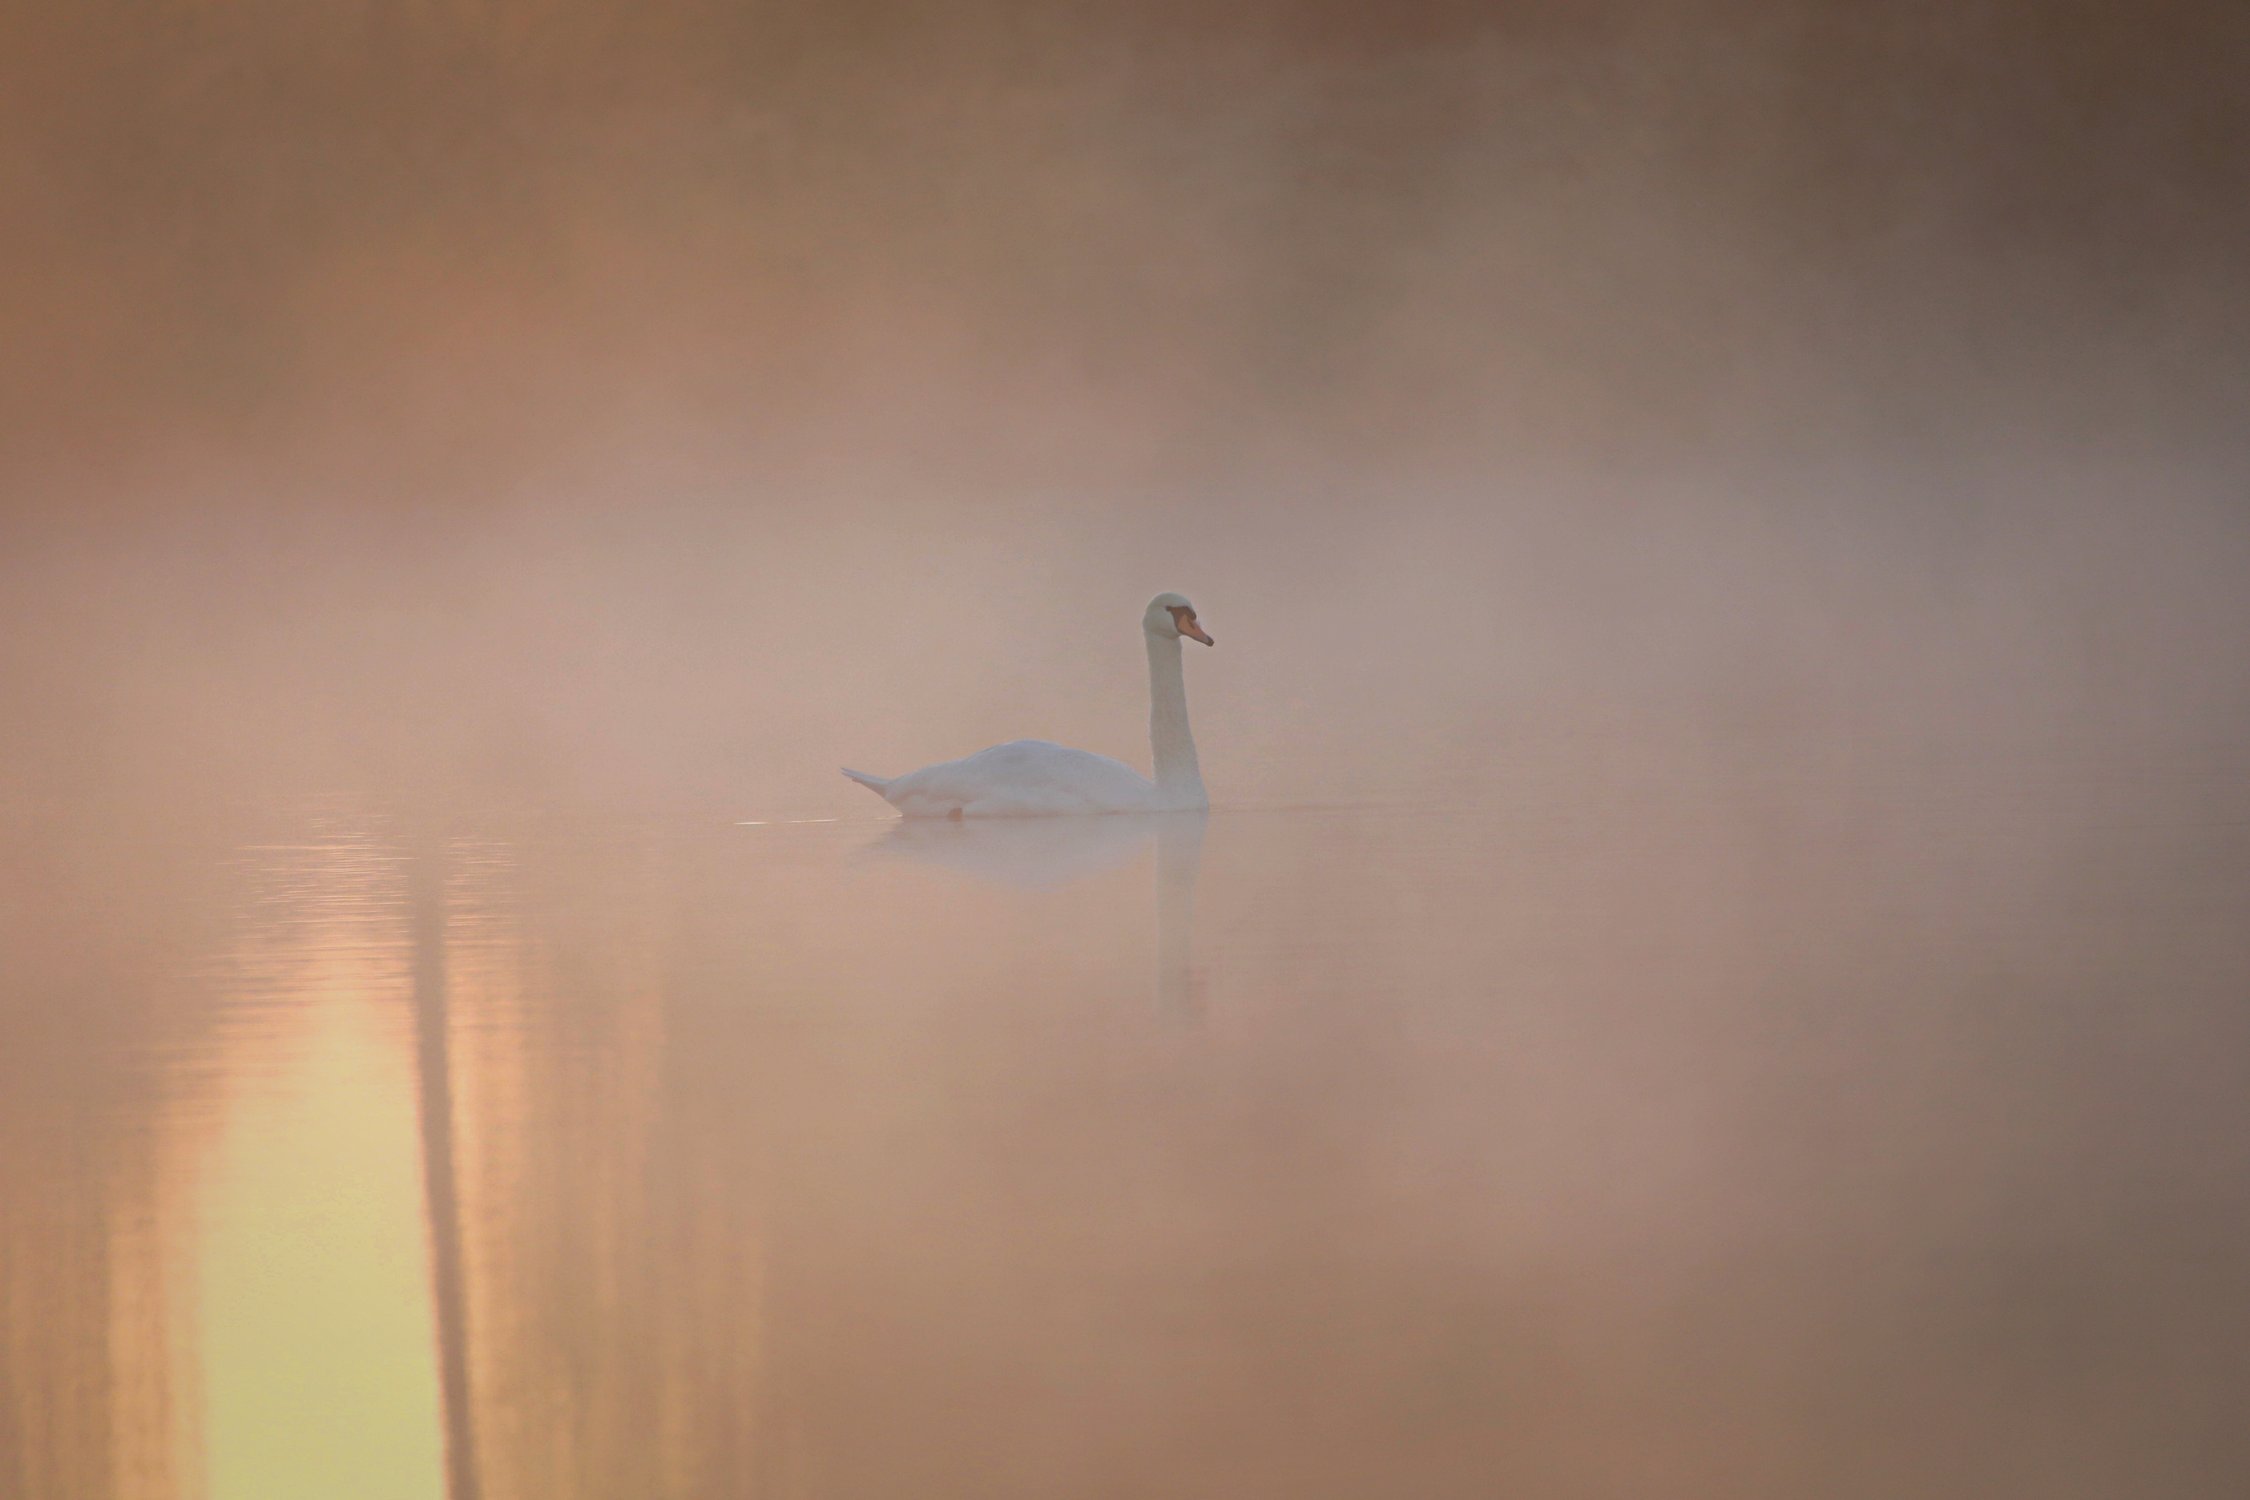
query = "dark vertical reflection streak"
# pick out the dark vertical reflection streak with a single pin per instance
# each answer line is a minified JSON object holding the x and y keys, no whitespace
{"x":426,"y":886}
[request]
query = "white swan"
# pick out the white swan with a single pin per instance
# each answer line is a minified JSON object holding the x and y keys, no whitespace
{"x":1033,"y":778}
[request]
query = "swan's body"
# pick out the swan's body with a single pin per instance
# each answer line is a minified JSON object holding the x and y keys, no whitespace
{"x":1021,"y":779}
{"x":1033,"y":778}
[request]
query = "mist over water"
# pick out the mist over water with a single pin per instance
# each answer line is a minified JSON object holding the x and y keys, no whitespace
{"x":672,"y":398}
{"x":1715,"y":966}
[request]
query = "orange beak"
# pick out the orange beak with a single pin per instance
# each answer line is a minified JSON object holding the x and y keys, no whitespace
{"x":1185,"y":619}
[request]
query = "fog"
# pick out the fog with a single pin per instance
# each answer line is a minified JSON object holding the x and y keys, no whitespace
{"x":681,"y":399}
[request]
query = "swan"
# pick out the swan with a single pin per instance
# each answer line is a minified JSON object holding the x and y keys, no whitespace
{"x":1034,"y":778}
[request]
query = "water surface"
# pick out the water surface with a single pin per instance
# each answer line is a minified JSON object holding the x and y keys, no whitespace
{"x":1867,"y":1135}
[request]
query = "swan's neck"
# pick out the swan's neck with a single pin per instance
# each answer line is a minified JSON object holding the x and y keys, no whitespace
{"x":1179,"y":780}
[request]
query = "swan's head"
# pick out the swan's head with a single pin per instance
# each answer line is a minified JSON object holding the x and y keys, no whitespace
{"x":1170,"y":616}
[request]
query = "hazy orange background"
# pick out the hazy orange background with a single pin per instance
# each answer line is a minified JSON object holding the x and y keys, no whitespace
{"x":681,"y":398}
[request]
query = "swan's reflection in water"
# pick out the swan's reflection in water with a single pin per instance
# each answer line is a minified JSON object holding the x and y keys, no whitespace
{"x":1044,"y":854}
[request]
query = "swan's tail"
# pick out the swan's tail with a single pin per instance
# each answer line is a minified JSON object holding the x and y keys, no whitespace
{"x":879,"y":785}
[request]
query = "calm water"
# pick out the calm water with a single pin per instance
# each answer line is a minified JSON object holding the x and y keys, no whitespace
{"x":1878,"y":1136}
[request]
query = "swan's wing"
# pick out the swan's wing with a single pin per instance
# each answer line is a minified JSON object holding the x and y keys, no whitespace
{"x":1023,"y":778}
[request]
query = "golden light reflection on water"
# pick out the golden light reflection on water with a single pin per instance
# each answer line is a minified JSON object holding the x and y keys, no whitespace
{"x":1756,"y":1148}
{"x":317,"y":1353}
{"x":318,"y":1364}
